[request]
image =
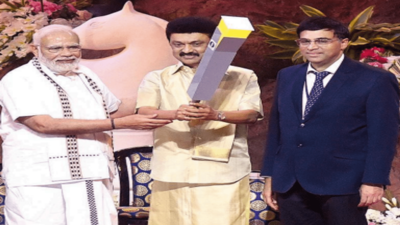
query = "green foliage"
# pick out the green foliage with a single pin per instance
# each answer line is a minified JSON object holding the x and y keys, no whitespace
{"x":362,"y":35}
{"x":13,"y":6}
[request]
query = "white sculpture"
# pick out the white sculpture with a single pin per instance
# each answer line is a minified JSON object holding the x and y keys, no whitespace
{"x":146,"y":48}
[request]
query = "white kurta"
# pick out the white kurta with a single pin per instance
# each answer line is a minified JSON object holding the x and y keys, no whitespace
{"x":35,"y":166}
{"x":30,"y":158}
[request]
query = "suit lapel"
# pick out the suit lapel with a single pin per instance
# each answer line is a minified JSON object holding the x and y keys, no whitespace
{"x":342,"y":75}
{"x":297,"y":91}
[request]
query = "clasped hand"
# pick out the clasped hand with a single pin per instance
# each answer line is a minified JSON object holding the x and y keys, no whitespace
{"x":196,"y":111}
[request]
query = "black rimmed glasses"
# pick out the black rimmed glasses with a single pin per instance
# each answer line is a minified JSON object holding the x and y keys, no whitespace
{"x":320,"y":42}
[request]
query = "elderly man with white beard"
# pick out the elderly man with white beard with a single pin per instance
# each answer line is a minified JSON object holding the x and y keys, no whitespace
{"x":56,"y":124}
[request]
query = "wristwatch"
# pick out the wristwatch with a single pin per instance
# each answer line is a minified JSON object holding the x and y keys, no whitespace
{"x":221,"y":116}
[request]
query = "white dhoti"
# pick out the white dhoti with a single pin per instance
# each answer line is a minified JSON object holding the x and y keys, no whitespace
{"x":200,"y":204}
{"x":77,"y":203}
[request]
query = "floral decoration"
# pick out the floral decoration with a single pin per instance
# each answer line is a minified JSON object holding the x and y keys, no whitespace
{"x":374,"y":57}
{"x":389,"y":217}
{"x":63,"y":10}
{"x":19,"y":19}
{"x":381,"y":58}
{"x":18,"y":23}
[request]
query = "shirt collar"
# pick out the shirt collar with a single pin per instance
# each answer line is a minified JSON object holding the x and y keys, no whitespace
{"x":178,"y":67}
{"x":332,"y":68}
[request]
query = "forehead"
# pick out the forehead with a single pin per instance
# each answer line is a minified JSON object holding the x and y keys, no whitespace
{"x":59,"y":38}
{"x":189,"y":37}
{"x":312,"y":34}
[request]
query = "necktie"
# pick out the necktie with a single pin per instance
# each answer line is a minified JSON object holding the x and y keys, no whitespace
{"x":316,"y":90}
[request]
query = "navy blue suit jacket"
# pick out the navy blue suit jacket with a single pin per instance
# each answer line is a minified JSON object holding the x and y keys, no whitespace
{"x":348,"y":138}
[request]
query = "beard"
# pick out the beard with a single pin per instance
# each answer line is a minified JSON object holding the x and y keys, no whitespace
{"x":57,"y":67}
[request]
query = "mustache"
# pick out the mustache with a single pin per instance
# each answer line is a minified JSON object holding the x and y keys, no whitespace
{"x":66,"y":58}
{"x":189,"y":54}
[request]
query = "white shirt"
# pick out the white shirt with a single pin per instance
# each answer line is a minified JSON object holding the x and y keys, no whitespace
{"x":310,"y":79}
{"x":26,"y":153}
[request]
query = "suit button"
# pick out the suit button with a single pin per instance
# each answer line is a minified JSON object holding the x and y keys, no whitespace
{"x":300,"y":145}
{"x":302,"y":125}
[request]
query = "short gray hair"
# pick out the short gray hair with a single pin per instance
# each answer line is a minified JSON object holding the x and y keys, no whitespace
{"x":50,"y":29}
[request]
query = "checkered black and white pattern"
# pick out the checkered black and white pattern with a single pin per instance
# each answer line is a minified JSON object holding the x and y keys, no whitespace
{"x":72,"y":144}
{"x":92,"y":203}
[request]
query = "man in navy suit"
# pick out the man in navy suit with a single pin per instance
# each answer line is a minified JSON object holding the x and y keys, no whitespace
{"x":332,"y":132}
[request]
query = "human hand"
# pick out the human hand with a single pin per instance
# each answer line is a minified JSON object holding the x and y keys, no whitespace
{"x":268,"y":195}
{"x":195,"y":111}
{"x":203,"y":111}
{"x":370,"y":194}
{"x":140,"y":122}
{"x":182,"y":114}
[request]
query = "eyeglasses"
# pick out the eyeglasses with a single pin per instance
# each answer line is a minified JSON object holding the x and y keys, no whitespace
{"x":320,"y":42}
{"x":57,"y":49}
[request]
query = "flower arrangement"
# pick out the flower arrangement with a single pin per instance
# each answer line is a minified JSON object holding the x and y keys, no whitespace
{"x":62,"y":10}
{"x":19,"y":19}
{"x":18,"y":23}
{"x":389,"y":217}
{"x":373,"y":57}
{"x":381,"y":58}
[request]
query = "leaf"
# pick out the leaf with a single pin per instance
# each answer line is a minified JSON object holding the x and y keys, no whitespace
{"x":283,"y":43}
{"x":359,"y":41}
{"x":361,"y":18}
{"x":379,"y":25}
{"x":381,"y":40}
{"x":311,"y":12}
{"x":291,"y":25}
{"x":291,"y":31}
{"x":273,"y":24}
{"x":383,"y":29}
{"x":9,"y":4}
{"x":297,"y":57}
{"x":277,"y":33}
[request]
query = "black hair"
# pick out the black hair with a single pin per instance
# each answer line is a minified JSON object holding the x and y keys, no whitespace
{"x":191,"y":24}
{"x":322,"y":23}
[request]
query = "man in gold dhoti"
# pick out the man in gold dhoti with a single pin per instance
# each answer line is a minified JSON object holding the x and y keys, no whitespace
{"x":200,"y":162}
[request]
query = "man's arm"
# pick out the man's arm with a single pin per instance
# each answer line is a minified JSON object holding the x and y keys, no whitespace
{"x":205,"y":112}
{"x":382,"y":109}
{"x":268,"y":195}
{"x":47,"y":125}
{"x":126,"y":108}
{"x":199,"y":111}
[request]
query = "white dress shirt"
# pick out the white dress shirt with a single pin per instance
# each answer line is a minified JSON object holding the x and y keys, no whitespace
{"x":310,"y":79}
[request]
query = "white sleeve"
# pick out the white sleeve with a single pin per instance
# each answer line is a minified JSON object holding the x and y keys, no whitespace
{"x":20,"y":97}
